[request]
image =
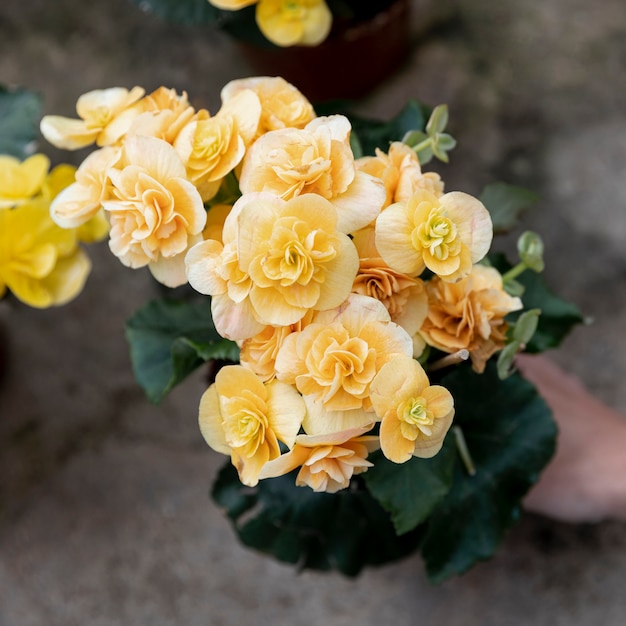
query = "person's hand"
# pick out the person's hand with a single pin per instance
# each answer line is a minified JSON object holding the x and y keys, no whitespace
{"x":586,"y":479}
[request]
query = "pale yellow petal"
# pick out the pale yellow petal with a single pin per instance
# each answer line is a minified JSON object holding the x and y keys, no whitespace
{"x":392,"y":443}
{"x":286,"y":410}
{"x":67,"y":133}
{"x":360,"y":204}
{"x":210,"y":420}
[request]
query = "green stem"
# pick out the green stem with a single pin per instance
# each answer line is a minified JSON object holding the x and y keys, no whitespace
{"x":425,"y":143}
{"x":514,"y":272}
{"x":464,"y":452}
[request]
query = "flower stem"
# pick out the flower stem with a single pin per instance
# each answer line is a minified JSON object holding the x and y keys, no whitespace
{"x":464,"y":452}
{"x":514,"y":272}
{"x":451,"y":359}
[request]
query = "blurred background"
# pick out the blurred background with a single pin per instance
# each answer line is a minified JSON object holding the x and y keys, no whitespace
{"x":105,"y":517}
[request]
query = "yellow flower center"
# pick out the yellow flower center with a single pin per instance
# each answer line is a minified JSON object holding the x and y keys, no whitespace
{"x":98,"y":117}
{"x":416,"y":418}
{"x":438,"y":234}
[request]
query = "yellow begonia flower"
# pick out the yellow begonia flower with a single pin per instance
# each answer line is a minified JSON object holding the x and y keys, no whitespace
{"x":317,"y":159}
{"x":334,"y":359}
{"x":469,"y":314}
{"x":216,"y":217}
{"x":211,"y":148}
{"x":106,"y":115}
{"x":40,"y":263}
{"x":401,"y":173}
{"x":415,"y":416}
{"x":232,"y":5}
{"x":294,"y":22}
{"x":21,"y":180}
{"x":280,"y":258}
{"x":446,"y":234}
{"x":164,"y":114}
{"x":282,"y":105}
{"x":155,"y":213}
{"x":327,"y":462}
{"x":82,"y":201}
{"x":241,"y":416}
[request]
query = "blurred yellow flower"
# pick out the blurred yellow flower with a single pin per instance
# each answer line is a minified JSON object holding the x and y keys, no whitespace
{"x":334,"y":359}
{"x":317,"y":159}
{"x":40,"y":263}
{"x":21,"y":180}
{"x":232,"y":5}
{"x":446,"y":234}
{"x":401,"y":173}
{"x":244,"y":418}
{"x":294,"y":22}
{"x":282,"y":105}
{"x":155,"y":213}
{"x":327,"y":462}
{"x":415,"y":415}
{"x":106,"y":115}
{"x":469,"y":314}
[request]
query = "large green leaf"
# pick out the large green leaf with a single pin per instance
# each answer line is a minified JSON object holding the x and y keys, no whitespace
{"x":346,"y":530}
{"x":410,"y":491}
{"x":557,"y":318}
{"x":511,"y":436}
{"x":169,"y":339}
{"x":183,"y":11}
{"x":505,"y":203}
{"x":20,"y":111}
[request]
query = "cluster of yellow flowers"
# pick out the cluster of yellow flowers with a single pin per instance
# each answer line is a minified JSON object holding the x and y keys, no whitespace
{"x":40,"y":263}
{"x":287,"y":22}
{"x":331,"y":273}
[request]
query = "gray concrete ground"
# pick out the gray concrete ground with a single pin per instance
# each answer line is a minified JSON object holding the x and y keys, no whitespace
{"x":105,"y":518}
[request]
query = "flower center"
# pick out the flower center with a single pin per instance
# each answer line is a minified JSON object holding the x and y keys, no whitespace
{"x":438,"y":234}
{"x":416,"y":418}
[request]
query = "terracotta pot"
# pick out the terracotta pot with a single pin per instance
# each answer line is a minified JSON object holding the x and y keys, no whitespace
{"x":354,"y":59}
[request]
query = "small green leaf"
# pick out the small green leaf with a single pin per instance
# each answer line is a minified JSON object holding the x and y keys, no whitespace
{"x":414,"y":137}
{"x":183,"y":11}
{"x":410,"y":491}
{"x":169,"y":340}
{"x":514,"y":288}
{"x":511,"y":436}
{"x":526,"y":325}
{"x":446,"y":142}
{"x":505,"y":203}
{"x":506,"y":359}
{"x":438,"y":120}
{"x":347,"y":530}
{"x":20,"y":112}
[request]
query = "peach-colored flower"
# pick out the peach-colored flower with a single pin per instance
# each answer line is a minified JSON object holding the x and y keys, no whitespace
{"x":334,"y":359}
{"x":446,"y":234}
{"x":156,"y":214}
{"x":165,"y":113}
{"x":82,"y":200}
{"x":241,"y":416}
{"x":211,"y":148}
{"x":401,"y":173}
{"x":40,"y":263}
{"x":317,"y":159}
{"x":232,"y":5}
{"x":327,"y":462}
{"x":415,"y":415}
{"x":20,"y":181}
{"x":258,"y":353}
{"x":289,"y":259}
{"x":282,"y":105}
{"x":469,"y":314}
{"x":106,"y":115}
{"x":294,"y":22}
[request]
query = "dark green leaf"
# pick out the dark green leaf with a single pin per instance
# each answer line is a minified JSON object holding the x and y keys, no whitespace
{"x":374,"y":134}
{"x":169,"y":339}
{"x":183,"y":11}
{"x":346,"y":530}
{"x":20,"y":112}
{"x":511,"y":436}
{"x":411,"y":490}
{"x":505,"y":204}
